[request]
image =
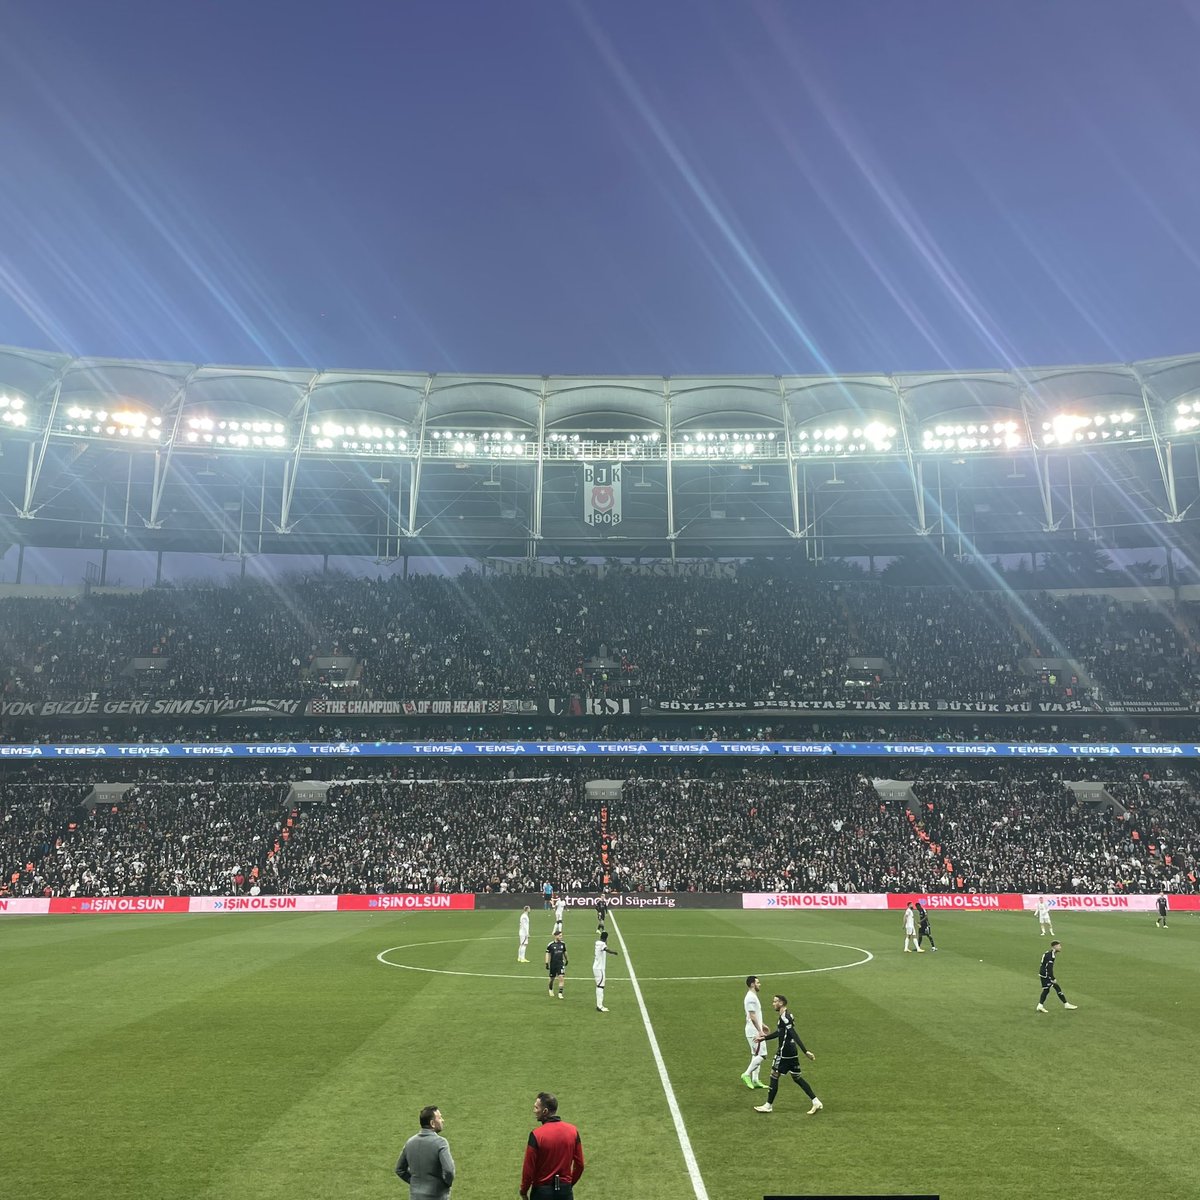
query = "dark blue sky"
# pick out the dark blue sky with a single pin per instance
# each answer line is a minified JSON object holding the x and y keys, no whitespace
{"x":676,"y":186}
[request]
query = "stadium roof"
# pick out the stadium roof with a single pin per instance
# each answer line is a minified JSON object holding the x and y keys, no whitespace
{"x":181,"y":456}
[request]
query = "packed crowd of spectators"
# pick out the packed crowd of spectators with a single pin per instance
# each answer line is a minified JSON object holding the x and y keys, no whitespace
{"x":1028,"y":835}
{"x":702,"y":826}
{"x":448,"y":836}
{"x":832,"y":833}
{"x":156,"y":839}
{"x":667,"y":640}
{"x":1133,"y":652}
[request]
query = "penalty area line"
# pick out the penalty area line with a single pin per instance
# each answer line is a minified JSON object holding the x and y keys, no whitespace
{"x":685,"y":1143}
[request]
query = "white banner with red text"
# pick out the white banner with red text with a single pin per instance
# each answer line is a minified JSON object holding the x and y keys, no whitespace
{"x":969,"y":901}
{"x":402,"y":901}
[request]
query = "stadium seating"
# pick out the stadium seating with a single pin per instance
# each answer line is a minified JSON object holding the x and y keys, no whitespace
{"x":709,"y":827}
{"x":662,"y":638}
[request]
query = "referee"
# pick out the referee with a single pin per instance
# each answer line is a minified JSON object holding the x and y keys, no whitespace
{"x":553,"y":1154}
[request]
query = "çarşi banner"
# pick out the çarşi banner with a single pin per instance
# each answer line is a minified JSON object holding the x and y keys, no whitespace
{"x":959,"y":750}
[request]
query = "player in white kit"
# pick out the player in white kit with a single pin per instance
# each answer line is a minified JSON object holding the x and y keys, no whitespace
{"x":523,"y":944}
{"x":910,"y":930}
{"x":1042,"y":908}
{"x":755,"y":1030}
{"x":560,"y":906}
{"x":598,"y":972}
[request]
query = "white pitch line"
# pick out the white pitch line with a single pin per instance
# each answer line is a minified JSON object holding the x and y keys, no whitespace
{"x":685,"y":1143}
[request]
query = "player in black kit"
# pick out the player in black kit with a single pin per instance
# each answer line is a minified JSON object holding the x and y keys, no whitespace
{"x":601,"y":913}
{"x":1048,"y":980}
{"x":556,"y":963}
{"x":923,"y":930}
{"x":1161,"y":902}
{"x":787,"y":1060}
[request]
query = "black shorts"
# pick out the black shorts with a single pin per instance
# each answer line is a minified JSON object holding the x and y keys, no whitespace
{"x":547,"y":1191}
{"x":557,"y":972}
{"x":786,"y":1066}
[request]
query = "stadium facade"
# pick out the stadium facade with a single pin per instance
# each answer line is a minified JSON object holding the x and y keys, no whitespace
{"x":104,"y":454}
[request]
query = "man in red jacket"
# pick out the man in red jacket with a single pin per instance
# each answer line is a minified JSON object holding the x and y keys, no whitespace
{"x":554,"y":1155}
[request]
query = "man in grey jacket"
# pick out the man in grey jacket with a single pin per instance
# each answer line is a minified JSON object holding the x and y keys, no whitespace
{"x":425,"y":1163}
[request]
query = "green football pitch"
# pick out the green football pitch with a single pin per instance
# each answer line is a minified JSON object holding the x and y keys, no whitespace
{"x":277,"y":1056}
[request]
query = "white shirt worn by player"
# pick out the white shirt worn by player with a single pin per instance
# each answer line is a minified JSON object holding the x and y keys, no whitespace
{"x":753,"y":1006}
{"x":601,"y":953}
{"x":559,"y":908}
{"x":910,"y":926}
{"x":524,"y":937}
{"x":754,"y":1026}
{"x":598,"y":963}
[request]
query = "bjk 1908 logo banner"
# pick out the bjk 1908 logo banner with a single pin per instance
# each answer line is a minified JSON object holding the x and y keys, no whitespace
{"x":602,"y":495}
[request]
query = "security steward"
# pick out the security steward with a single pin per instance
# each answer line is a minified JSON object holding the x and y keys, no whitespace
{"x":553,"y":1155}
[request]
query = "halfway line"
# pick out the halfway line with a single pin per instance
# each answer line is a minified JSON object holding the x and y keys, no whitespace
{"x":685,"y":1143}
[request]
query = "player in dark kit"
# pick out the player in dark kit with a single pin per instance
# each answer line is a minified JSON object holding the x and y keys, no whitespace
{"x":923,"y":930}
{"x":1048,"y":981}
{"x":787,"y":1060}
{"x":556,"y":963}
{"x":601,"y":913}
{"x":1161,"y":920}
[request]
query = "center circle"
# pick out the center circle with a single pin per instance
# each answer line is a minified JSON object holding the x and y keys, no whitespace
{"x":867,"y":957}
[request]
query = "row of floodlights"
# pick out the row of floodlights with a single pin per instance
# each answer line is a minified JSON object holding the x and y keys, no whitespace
{"x":876,"y":433}
{"x":121,"y":422}
{"x":724,"y":437}
{"x":12,"y":411}
{"x":1189,"y":416}
{"x":208,"y":425}
{"x":843,"y":447}
{"x":1067,"y":428}
{"x":715,"y":450}
{"x":650,"y":438}
{"x":331,"y":429}
{"x":987,"y":435}
{"x":268,"y":441}
{"x":1063,"y":429}
{"x":995,"y":441}
{"x":982,"y":430}
{"x":242,"y":435}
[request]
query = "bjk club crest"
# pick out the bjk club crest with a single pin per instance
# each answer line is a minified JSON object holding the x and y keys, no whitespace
{"x":602,"y":494}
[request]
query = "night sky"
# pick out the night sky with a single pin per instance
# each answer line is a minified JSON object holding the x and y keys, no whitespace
{"x":661,"y":186}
